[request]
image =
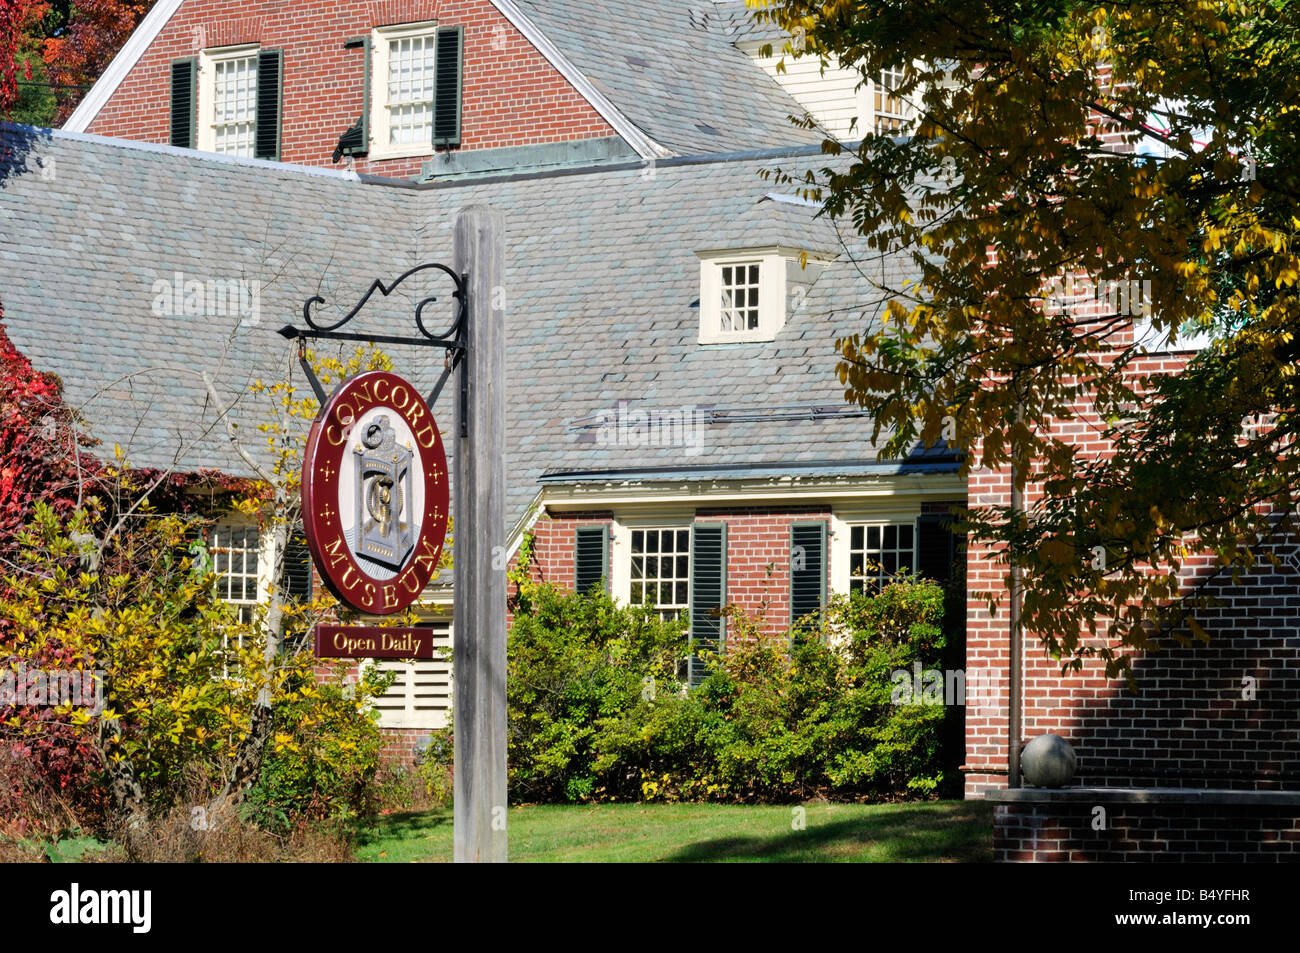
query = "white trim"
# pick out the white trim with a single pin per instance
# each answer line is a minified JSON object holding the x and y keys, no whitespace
{"x":140,"y":40}
{"x":161,"y":149}
{"x":644,"y":146}
{"x":849,"y":492}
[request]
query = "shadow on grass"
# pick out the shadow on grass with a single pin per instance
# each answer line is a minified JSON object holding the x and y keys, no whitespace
{"x":405,"y":824}
{"x":962,"y":837}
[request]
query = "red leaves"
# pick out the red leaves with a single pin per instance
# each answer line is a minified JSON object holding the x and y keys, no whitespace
{"x":9,"y":13}
{"x":96,"y":30}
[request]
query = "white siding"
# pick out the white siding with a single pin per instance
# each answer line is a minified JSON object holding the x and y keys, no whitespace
{"x":421,"y":695}
{"x":831,"y":97}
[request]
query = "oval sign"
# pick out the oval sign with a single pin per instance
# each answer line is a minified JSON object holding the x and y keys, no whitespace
{"x":374,"y":493}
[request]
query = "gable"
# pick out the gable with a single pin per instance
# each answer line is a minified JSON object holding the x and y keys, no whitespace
{"x":513,"y":95}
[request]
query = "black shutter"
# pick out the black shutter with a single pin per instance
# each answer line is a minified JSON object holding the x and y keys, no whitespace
{"x":708,"y":593}
{"x":184,"y":78}
{"x":936,"y":547}
{"x":447,"y":86}
{"x":807,"y":569}
{"x":295,"y":575}
{"x":590,"y":558}
{"x":355,"y":141}
{"x":270,"y":65}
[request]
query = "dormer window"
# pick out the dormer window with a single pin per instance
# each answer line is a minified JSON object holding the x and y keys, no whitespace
{"x":746,"y":295}
{"x":741,"y":296}
{"x":739,"y":304}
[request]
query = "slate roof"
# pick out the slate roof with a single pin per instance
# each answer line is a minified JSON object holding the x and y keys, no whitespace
{"x":602,"y":286}
{"x":672,"y":68}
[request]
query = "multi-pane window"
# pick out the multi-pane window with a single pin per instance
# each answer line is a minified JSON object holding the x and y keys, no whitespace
{"x":661,"y":568}
{"x":877,"y":552}
{"x":234,"y":551}
{"x":234,"y":104}
{"x":889,"y":110}
{"x":740,"y":296}
{"x":410,"y":90}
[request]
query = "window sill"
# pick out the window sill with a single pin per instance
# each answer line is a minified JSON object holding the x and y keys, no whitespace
{"x":408,"y":152}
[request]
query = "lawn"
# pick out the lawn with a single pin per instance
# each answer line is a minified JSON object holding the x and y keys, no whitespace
{"x":936,"y":831}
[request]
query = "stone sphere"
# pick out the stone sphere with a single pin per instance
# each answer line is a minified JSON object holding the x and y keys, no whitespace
{"x":1048,"y":762}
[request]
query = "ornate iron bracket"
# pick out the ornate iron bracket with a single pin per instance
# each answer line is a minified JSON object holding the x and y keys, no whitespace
{"x":453,"y":340}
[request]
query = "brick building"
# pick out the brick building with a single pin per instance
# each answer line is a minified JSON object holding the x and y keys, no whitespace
{"x":675,"y":424}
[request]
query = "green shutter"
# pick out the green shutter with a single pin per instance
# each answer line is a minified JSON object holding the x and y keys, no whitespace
{"x":447,"y":92}
{"x":807,"y":569}
{"x":295,"y":574}
{"x":270,"y":72}
{"x":708,"y":593}
{"x":184,"y":129}
{"x":591,"y":558}
{"x":356,"y":140}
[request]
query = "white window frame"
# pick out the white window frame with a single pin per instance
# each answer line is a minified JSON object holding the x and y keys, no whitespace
{"x":841,"y":527}
{"x":380,"y":37}
{"x":207,"y":93}
{"x":620,"y":552}
{"x":265,"y":562}
{"x":771,"y":295}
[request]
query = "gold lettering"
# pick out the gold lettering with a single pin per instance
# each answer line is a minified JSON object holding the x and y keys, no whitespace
{"x":414,"y":587}
{"x":381,"y":382}
{"x":340,"y":409}
{"x":390,"y":596}
{"x":400,"y":402}
{"x":413,"y":413}
{"x":363,"y":390}
{"x":330,"y":432}
{"x":368,"y":597}
{"x":428,"y":433}
{"x":426,"y":559}
{"x":335,"y":550}
{"x":352,"y":574}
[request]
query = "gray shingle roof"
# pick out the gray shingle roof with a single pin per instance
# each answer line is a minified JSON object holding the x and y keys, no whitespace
{"x":602,"y":286}
{"x":673,"y":70}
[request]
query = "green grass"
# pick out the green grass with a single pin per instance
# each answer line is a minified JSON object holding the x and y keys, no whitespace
{"x":935,"y":831}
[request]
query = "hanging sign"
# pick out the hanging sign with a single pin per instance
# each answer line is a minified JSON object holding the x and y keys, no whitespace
{"x":373,"y":641}
{"x":374,"y":493}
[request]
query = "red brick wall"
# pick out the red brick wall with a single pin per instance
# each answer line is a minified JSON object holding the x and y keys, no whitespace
{"x":1190,"y":724}
{"x":513,"y":96}
{"x":758,"y":555}
{"x":1171,"y":833}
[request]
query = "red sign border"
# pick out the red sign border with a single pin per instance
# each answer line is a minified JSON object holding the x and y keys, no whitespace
{"x":322,"y":461}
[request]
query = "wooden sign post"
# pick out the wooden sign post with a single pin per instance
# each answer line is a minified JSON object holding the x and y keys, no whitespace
{"x":479,"y":653}
{"x":375,"y":509}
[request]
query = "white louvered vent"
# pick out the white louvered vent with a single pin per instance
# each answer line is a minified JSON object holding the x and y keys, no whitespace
{"x":421,"y":695}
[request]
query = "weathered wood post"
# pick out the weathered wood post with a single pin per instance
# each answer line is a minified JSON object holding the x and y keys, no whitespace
{"x":478,"y":555}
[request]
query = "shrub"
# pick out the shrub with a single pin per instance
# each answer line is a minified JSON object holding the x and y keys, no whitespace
{"x":325,"y":754}
{"x":579,"y":667}
{"x":596,"y":710}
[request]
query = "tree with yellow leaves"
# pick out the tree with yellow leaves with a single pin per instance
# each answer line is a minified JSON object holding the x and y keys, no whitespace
{"x":1147,"y":147}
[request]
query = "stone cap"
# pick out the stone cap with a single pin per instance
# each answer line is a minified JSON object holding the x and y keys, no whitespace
{"x":1142,"y":796}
